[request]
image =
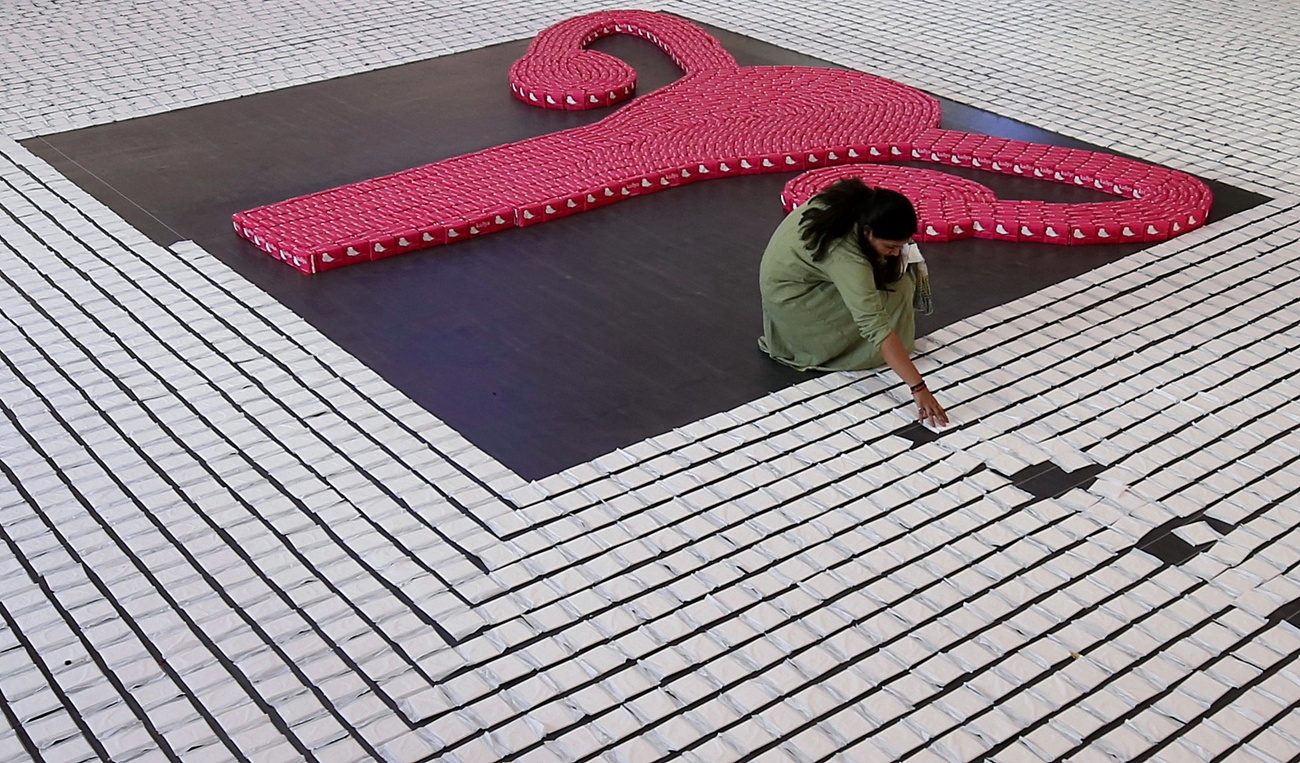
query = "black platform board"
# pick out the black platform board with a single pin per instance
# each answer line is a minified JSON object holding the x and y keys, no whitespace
{"x":545,"y":346}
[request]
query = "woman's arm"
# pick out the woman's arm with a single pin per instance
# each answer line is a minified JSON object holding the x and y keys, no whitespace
{"x":895,"y":354}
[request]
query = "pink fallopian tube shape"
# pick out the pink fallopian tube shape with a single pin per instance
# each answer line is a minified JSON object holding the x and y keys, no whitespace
{"x":717,"y":120}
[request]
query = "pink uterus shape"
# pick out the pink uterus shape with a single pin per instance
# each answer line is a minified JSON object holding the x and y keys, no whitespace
{"x":718,"y":120}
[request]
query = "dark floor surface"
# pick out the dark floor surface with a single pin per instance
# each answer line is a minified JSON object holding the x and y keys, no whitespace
{"x":545,"y":346}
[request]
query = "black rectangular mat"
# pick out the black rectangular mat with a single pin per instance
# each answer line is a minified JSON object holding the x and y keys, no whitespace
{"x":545,"y":346}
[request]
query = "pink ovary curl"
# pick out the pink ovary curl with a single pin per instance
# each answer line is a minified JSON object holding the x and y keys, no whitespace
{"x":560,"y":72}
{"x":1160,"y":203}
{"x":718,"y":120}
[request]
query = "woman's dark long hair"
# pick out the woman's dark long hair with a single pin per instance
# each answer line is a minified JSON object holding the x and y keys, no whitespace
{"x":850,"y":206}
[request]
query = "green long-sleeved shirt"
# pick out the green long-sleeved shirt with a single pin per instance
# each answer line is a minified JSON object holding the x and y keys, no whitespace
{"x":828,"y":315}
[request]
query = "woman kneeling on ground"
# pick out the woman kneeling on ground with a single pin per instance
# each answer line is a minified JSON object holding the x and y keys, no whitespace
{"x":840,"y":282}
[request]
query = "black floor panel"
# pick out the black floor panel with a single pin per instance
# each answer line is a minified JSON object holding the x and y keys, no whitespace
{"x":545,"y":346}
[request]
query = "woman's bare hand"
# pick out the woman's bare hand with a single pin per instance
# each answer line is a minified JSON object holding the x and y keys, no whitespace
{"x":928,"y":409}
